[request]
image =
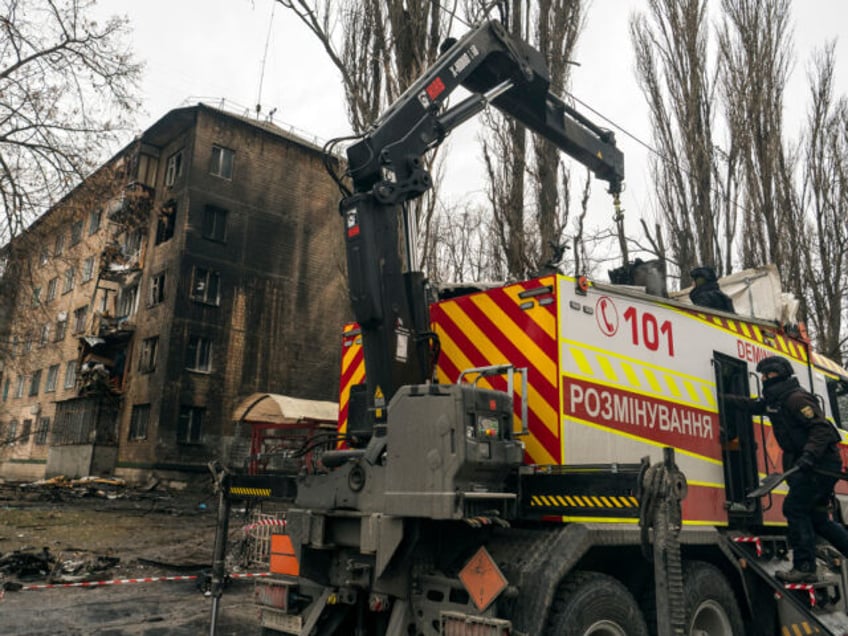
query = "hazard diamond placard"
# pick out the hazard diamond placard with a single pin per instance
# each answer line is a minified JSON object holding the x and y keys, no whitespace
{"x":482,"y":578}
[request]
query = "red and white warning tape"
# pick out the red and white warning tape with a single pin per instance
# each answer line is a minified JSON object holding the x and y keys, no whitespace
{"x":755,"y":540}
{"x":147,"y":579}
{"x":279,"y":523}
{"x":811,"y":590}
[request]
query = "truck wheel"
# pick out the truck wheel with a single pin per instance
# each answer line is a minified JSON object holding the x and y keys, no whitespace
{"x":594,"y":604}
{"x":711,"y":607}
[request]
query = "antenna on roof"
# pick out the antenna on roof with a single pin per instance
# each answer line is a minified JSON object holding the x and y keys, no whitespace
{"x":264,"y":59}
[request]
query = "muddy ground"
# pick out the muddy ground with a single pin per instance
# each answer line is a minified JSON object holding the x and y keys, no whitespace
{"x":104,"y":532}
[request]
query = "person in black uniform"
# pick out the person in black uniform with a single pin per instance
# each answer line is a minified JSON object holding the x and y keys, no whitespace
{"x":706,"y":291}
{"x":808,"y":441}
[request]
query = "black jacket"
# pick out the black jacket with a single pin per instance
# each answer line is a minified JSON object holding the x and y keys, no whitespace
{"x":797,"y":421}
{"x":709,"y":294}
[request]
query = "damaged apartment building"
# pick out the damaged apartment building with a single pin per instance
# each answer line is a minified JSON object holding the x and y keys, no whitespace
{"x":201,"y":264}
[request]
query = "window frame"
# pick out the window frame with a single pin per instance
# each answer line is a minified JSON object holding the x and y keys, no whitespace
{"x":70,"y":280}
{"x":80,"y":316}
{"x":42,"y":431}
{"x":87,"y":269}
{"x":70,"y":374}
{"x":148,"y":350}
{"x":203,"y":297}
{"x":61,"y":330}
{"x":202,"y":348}
{"x":52,"y":378}
{"x":222,"y":161}
{"x":190,"y":423}
{"x":174,"y":167}
{"x":76,"y":231}
{"x":95,"y":218}
{"x":166,"y":222}
{"x":134,"y":434}
{"x":52,"y":286}
{"x":156,"y":289}
{"x":214,"y":226}
{"x":35,"y":383}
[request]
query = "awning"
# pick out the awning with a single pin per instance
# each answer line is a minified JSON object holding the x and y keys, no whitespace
{"x":282,"y":409}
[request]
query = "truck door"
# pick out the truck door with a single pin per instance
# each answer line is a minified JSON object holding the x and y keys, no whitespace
{"x":738,"y":443}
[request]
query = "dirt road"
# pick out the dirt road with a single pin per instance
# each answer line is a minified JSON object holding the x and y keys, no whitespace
{"x":110,"y":534}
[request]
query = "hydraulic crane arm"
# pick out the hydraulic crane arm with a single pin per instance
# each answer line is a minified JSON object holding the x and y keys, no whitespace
{"x":506,"y":72}
{"x":387,"y":170}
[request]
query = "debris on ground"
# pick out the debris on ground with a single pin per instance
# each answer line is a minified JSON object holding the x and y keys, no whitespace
{"x":107,"y":487}
{"x":73,"y":567}
{"x":27,"y":565}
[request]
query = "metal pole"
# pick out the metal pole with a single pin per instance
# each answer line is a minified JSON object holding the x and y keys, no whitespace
{"x":219,"y":553}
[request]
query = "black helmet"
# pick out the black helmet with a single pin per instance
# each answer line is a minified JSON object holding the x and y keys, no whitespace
{"x":775,"y":364}
{"x":706,"y":272}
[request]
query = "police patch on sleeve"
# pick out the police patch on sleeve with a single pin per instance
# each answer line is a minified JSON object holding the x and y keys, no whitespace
{"x":808,"y":412}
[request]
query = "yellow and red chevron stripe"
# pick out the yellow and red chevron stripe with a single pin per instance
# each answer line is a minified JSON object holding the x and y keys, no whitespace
{"x":516,"y":324}
{"x":780,"y":343}
{"x":353,"y":369}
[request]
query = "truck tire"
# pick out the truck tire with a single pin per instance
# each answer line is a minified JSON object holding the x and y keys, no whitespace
{"x":594,"y":604}
{"x":711,"y":607}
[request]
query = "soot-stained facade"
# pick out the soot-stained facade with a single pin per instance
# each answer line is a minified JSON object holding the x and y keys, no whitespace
{"x":216,"y":271}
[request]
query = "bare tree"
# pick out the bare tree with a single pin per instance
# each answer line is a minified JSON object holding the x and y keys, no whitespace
{"x":670,"y":42}
{"x":526,"y":172}
{"x":755,"y":47}
{"x":379,"y":47}
{"x":68,"y":87}
{"x":824,"y":196}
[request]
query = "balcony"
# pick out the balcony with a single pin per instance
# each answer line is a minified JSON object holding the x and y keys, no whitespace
{"x":131,"y":206}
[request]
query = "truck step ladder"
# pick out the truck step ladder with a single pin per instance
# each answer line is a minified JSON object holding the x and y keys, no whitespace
{"x":820,"y":607}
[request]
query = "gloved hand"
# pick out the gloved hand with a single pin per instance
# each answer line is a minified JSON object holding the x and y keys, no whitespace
{"x":806,"y":461}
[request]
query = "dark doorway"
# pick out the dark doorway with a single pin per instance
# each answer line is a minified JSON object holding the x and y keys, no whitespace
{"x":738,"y":443}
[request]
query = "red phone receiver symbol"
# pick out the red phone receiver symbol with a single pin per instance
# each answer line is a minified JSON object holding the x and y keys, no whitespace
{"x":607,"y":316}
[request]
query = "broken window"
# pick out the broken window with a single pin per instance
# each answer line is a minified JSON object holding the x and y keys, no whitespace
{"x":76,"y":232}
{"x":88,"y":269}
{"x":147,"y":354}
{"x":59,"y":247}
{"x":35,"y":384}
{"x":45,"y":334}
{"x":69,"y":279}
{"x":36,"y":296}
{"x":221,"y":164}
{"x":70,"y":374}
{"x":199,"y":354}
{"x":174,"y":169}
{"x":215,"y":223}
{"x":43,"y":256}
{"x":157,"y":289}
{"x":132,"y":245}
{"x":166,"y":221}
{"x":42,"y":431}
{"x":12,"y":433}
{"x":190,"y":425}
{"x":127,"y":301}
{"x":61,"y":328}
{"x":94,"y":221}
{"x":52,"y":377}
{"x":25,"y":431}
{"x":79,"y":319}
{"x":52,"y":284}
{"x":205,"y":286}
{"x":138,"y":421}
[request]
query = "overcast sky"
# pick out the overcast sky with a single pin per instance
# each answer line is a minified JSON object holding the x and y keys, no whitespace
{"x":208,"y":50}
